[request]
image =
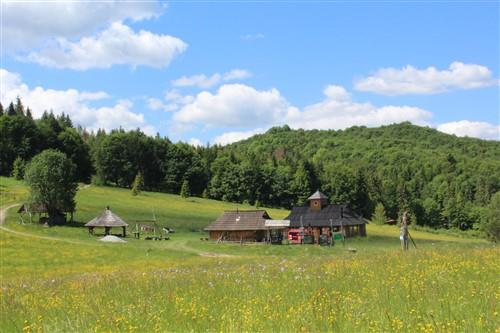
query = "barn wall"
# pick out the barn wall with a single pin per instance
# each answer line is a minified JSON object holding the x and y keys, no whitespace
{"x":245,"y":235}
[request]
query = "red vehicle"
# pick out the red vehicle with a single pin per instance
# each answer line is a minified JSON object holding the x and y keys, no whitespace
{"x":295,"y":236}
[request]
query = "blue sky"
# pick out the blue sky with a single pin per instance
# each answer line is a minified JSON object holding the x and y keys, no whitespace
{"x":218,"y":72}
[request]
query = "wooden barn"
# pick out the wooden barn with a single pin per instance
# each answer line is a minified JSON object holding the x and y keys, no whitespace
{"x":320,"y":218}
{"x":239,"y":225}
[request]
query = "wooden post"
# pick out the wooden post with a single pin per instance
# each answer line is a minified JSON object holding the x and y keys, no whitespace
{"x":124,"y":231}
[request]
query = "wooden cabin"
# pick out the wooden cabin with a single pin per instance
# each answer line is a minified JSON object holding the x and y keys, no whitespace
{"x":239,"y":225}
{"x":321,"y":218}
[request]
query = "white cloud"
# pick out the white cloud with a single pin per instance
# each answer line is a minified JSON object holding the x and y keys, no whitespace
{"x":236,"y":74}
{"x":156,"y":104}
{"x":195,"y":142}
{"x":241,"y":106}
{"x":204,"y":82}
{"x":175,"y":96}
{"x":73,"y":103}
{"x":473,"y":129}
{"x":118,"y":45}
{"x":27,"y":25}
{"x":231,"y":137}
{"x":338,"y":111}
{"x":235,"y":105}
{"x":410,"y":80}
{"x":200,"y":80}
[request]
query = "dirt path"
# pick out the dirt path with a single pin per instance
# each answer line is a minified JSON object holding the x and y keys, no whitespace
{"x":3,"y":212}
{"x":175,"y":245}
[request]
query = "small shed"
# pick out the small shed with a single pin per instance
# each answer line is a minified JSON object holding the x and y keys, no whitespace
{"x":107,"y":220}
{"x":277,"y":230}
{"x":239,"y":225}
{"x":43,"y":214}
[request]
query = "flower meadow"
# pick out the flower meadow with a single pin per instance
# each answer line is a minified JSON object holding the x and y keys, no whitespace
{"x":60,"y":279}
{"x":425,"y":291}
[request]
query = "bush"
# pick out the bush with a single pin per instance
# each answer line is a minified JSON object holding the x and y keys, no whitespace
{"x":491,"y":223}
{"x":378,"y":216}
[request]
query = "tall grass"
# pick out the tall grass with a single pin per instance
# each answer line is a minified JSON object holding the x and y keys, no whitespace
{"x":63,"y":280}
{"x":428,"y":291}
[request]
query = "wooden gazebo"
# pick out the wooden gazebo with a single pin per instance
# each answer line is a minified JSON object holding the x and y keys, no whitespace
{"x":107,"y":220}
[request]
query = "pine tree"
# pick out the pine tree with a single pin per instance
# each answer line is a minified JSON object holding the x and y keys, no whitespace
{"x":1,"y":109}
{"x":28,"y":113}
{"x":378,"y":216}
{"x":19,"y":107}
{"x":18,"y":168}
{"x":136,"y":186}
{"x":185,"y":189}
{"x":11,"y":111}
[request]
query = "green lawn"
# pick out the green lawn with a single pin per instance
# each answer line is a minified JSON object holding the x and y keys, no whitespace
{"x":60,"y":279}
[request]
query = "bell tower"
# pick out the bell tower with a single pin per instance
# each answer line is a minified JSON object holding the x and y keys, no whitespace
{"x":317,"y":201}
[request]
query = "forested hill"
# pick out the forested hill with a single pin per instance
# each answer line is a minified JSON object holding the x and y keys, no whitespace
{"x":442,"y":179}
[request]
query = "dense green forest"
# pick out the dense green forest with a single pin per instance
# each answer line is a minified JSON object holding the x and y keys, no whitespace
{"x":444,"y":181}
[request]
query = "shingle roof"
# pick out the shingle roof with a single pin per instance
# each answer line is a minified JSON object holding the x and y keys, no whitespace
{"x":317,"y":195}
{"x":321,"y":218}
{"x":107,"y":219}
{"x":232,"y":220}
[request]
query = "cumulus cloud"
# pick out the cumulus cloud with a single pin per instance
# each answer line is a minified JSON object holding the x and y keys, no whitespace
{"x":156,"y":104}
{"x":199,"y":80}
{"x":473,"y":129}
{"x":74,"y":103}
{"x":235,"y":105}
{"x":240,"y":106}
{"x":195,"y":142}
{"x":27,"y":25}
{"x":411,"y":80}
{"x":339,"y":111}
{"x":204,"y":82}
{"x":236,"y":74}
{"x":117,"y":45}
{"x":230,"y":137}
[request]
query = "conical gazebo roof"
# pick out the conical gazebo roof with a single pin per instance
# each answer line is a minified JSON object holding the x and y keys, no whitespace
{"x":107,"y":219}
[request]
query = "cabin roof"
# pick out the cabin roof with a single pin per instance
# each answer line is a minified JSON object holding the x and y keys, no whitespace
{"x":339,"y":214}
{"x":107,"y":219}
{"x":232,"y":220}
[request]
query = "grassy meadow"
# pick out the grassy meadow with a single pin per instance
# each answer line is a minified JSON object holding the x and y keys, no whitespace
{"x":60,"y":279}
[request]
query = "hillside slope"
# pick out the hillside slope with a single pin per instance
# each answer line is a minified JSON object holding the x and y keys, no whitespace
{"x":442,"y":179}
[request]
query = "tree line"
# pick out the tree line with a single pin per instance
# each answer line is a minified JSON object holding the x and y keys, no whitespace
{"x":442,"y":180}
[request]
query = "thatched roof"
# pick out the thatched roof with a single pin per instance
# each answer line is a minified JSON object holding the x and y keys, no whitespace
{"x":107,"y":219}
{"x":339,"y":214}
{"x":232,"y":220}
